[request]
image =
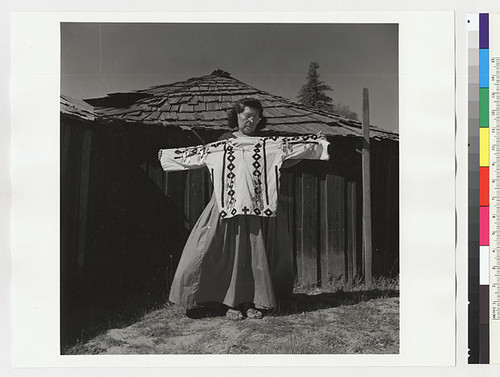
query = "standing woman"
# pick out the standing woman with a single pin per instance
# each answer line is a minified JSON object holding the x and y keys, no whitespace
{"x":238,"y":253}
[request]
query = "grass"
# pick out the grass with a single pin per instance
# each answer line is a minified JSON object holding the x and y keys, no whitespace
{"x":382,"y":284}
{"x":348,"y":319}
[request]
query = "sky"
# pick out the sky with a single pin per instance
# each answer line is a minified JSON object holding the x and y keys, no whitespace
{"x":97,"y":59}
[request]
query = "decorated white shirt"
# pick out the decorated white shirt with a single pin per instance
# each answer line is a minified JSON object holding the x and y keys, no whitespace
{"x":245,"y":171}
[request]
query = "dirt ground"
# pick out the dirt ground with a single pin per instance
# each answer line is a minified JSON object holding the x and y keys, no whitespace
{"x":363,"y":322}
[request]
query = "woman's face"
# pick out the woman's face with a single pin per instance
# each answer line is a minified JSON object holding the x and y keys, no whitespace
{"x":248,"y":120}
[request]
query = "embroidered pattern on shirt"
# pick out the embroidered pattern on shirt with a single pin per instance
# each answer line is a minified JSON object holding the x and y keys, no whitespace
{"x":257,"y":202}
{"x":230,"y":199}
{"x":266,"y":190}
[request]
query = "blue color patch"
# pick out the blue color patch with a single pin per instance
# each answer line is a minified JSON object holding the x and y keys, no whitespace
{"x":484,"y":68}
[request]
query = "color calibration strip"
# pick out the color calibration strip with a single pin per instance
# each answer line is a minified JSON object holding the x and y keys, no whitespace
{"x":494,"y":125}
{"x":484,"y":187}
{"x":484,"y":205}
{"x":482,"y":140}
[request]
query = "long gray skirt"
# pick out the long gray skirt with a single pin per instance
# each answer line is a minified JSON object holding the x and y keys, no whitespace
{"x":243,"y":259}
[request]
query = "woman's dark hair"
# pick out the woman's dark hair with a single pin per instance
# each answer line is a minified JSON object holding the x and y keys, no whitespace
{"x":239,"y":107}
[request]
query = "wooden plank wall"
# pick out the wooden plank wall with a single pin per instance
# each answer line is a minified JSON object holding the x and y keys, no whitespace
{"x":72,"y":162}
{"x":139,"y":214}
{"x":385,"y":208}
{"x":116,"y":226}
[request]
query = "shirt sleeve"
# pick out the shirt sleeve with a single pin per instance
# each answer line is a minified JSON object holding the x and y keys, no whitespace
{"x":304,"y":147}
{"x":183,"y":158}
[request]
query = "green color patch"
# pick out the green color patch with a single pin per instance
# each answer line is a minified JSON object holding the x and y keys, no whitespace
{"x":484,"y":107}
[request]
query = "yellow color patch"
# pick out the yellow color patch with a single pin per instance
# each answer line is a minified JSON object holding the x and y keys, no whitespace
{"x":484,"y":147}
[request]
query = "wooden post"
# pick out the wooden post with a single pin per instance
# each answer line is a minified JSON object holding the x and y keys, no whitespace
{"x":367,"y":220}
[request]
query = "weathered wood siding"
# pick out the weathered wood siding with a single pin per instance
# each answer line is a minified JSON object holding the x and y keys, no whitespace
{"x":125,"y":221}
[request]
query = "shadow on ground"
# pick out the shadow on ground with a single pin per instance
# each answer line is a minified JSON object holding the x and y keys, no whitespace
{"x":301,"y":302}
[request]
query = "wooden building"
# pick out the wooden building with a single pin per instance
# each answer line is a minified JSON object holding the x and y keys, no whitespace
{"x":124,"y":221}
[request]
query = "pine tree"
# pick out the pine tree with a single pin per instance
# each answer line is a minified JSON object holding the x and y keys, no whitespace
{"x":313,"y":92}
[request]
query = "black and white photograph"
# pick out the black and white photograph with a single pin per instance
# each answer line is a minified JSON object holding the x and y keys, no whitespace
{"x":229,"y":188}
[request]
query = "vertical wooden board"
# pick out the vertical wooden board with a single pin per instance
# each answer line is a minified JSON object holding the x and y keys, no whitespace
{"x":70,"y":191}
{"x":112,"y":253}
{"x":195,"y":194}
{"x":104,"y":249}
{"x":310,"y":226}
{"x":378,"y":177}
{"x":291,"y":218}
{"x":336,"y":227}
{"x":326,"y":251}
{"x":165,"y":176}
{"x":119,"y":218}
{"x":377,"y":201}
{"x":393,"y":214}
{"x":284,"y":198}
{"x":74,"y":178}
{"x":163,"y":211}
{"x":164,"y":215}
{"x":298,"y":227}
{"x":123,"y":181}
{"x":348,"y":233}
{"x":83,"y":201}
{"x":318,"y":243}
{"x":155,"y":174}
{"x":357,"y":203}
{"x":384,"y":212}
{"x":95,"y":201}
{"x":382,"y":186}
{"x":351,"y":231}
{"x":285,"y":210}
{"x":286,"y":202}
{"x":376,"y":167}
{"x":65,"y":150}
{"x":175,"y":190}
{"x":66,"y":187}
{"x":390,"y":215}
{"x":291,"y":207}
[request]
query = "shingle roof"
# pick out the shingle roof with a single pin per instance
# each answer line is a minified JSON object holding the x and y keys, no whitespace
{"x":76,"y":107}
{"x":203,"y":102}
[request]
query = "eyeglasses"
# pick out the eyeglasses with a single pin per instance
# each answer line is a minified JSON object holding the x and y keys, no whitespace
{"x":250,"y":118}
